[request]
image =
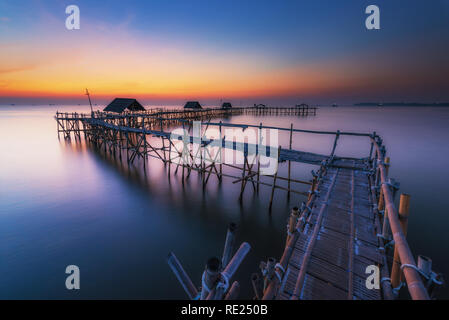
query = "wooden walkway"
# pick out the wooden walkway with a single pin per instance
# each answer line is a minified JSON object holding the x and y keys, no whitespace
{"x":338,"y":242}
{"x":347,"y":224}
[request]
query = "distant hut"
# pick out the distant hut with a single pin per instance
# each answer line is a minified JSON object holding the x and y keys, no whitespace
{"x":226,"y":105}
{"x":193,"y":105}
{"x":119,"y":105}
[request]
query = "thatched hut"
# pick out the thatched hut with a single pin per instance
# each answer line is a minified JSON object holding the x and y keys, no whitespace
{"x":226,"y":105}
{"x":193,"y":105}
{"x":119,"y":105}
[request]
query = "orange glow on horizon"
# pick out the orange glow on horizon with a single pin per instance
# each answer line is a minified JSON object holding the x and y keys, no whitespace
{"x":114,"y":63}
{"x":111,"y":62}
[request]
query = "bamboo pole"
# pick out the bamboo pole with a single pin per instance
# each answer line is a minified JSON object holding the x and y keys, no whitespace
{"x":221,"y":153}
{"x":337,"y":136}
{"x":381,"y":206}
{"x":289,"y":162}
{"x":273,"y":187}
{"x":404,"y":211}
{"x":292,"y":223}
{"x":307,"y":255}
{"x":387,"y":165}
{"x":236,"y":260}
{"x":258,"y":160}
{"x":274,"y":182}
{"x":233,"y":292}
{"x":413,"y":278}
{"x":256,"y":282}
{"x":217,"y":292}
{"x":210,"y":276}
{"x":270,"y":291}
{"x":229,"y":244}
{"x":182,"y":276}
{"x":387,"y":291}
{"x":242,"y":187}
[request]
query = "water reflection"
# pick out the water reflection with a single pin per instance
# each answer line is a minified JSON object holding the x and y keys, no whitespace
{"x":66,"y":202}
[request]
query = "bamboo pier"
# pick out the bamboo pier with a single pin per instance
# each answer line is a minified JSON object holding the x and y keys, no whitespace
{"x":347,"y":228}
{"x":348,"y":225}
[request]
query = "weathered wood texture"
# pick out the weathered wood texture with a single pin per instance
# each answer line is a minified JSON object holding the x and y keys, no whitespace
{"x":345,"y":245}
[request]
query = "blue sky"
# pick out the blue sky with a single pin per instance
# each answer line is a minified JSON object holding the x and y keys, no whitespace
{"x":323,"y":40}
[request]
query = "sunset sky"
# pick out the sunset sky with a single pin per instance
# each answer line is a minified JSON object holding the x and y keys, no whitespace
{"x":168,"y":51}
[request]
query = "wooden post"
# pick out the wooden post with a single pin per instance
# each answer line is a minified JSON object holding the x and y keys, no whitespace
{"x":229,"y":244}
{"x":404,"y":210}
{"x":210,"y":276}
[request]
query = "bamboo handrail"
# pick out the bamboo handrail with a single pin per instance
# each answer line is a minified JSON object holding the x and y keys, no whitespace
{"x":230,"y":125}
{"x":408,"y":265}
{"x":415,"y":285}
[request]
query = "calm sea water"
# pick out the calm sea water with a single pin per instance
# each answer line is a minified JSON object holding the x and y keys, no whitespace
{"x":64,"y":203}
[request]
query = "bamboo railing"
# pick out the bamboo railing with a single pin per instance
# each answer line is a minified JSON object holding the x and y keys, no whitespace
{"x":404,"y":266}
{"x":411,"y":272}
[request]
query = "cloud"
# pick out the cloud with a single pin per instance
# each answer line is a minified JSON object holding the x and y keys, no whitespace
{"x":16,"y":69}
{"x":4,"y":19}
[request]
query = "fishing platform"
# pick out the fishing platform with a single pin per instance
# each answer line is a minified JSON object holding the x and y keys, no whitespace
{"x":347,"y":229}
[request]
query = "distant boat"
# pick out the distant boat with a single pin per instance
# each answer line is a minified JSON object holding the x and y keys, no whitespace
{"x":12,"y":104}
{"x":334,"y":105}
{"x":380,"y":104}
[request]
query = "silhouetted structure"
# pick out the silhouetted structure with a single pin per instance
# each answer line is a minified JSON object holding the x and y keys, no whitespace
{"x":226,"y":105}
{"x":119,"y":105}
{"x":193,"y":105}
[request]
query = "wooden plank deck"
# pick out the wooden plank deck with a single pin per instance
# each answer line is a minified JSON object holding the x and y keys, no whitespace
{"x":345,"y":242}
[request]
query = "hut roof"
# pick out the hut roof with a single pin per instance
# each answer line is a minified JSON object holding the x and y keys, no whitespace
{"x":120,"y":104}
{"x":192,"y":105}
{"x":226,"y":105}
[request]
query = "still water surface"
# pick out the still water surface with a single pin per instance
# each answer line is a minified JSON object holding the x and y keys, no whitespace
{"x":64,"y":203}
